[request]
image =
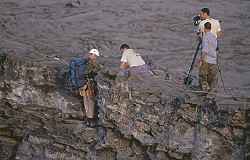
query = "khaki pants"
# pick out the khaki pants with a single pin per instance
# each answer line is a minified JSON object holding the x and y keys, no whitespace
{"x":89,"y":102}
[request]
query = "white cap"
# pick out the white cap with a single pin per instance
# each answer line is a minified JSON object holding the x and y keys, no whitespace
{"x":94,"y":51}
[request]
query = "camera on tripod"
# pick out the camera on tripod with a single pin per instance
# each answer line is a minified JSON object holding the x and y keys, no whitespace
{"x":197,"y":20}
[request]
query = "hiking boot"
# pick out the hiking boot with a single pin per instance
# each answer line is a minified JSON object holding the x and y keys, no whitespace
{"x":92,"y":123}
{"x":86,"y":121}
{"x":204,"y":86}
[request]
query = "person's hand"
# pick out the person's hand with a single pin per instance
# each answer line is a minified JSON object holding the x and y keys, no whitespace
{"x":82,"y":90}
{"x":199,"y":63}
{"x":199,"y":36}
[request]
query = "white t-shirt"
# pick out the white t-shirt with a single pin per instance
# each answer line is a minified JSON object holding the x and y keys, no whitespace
{"x":132,"y":58}
{"x":215,"y":26}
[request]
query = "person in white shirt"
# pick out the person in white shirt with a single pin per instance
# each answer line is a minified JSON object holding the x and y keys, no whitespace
{"x":134,"y":61}
{"x":215,"y":24}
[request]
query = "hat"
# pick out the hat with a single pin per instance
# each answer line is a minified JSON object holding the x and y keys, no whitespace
{"x":94,"y":51}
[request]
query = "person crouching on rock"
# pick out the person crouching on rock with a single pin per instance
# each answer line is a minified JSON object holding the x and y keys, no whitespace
{"x":134,"y":60}
{"x":88,"y":90}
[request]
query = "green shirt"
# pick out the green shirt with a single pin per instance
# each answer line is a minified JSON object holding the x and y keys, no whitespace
{"x":92,"y":68}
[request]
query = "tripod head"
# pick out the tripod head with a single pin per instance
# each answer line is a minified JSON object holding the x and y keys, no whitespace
{"x":196,"y":20}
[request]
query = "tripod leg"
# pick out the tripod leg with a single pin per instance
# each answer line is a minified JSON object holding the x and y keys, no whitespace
{"x":222,"y":79}
{"x":220,"y":71}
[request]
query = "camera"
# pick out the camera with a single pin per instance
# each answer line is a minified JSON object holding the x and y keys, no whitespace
{"x":197,"y":20}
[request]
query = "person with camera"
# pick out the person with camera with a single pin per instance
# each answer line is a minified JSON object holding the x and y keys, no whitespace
{"x":215,"y":24}
{"x":208,"y":33}
{"x":208,"y":68}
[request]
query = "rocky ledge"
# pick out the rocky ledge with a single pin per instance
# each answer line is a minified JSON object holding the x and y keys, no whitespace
{"x":137,"y":117}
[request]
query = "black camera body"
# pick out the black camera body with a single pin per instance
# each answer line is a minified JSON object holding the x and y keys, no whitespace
{"x":197,"y":20}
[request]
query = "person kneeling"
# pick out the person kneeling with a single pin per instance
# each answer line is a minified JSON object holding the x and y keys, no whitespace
{"x":134,"y":61}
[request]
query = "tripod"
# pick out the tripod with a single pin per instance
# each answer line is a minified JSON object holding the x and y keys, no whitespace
{"x":188,"y":80}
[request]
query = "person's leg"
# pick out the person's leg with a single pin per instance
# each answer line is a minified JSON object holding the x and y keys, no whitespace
{"x":213,"y":77}
{"x":144,"y":70}
{"x":90,"y":110}
{"x":148,"y":71}
{"x":86,"y":104}
{"x":83,"y":93}
{"x":91,"y":106}
{"x":203,"y":73}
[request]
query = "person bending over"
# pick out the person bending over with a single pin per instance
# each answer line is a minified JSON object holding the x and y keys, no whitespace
{"x":134,"y":61}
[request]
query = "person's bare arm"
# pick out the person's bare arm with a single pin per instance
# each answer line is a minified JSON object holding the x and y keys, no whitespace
{"x":218,"y":34}
{"x":203,"y":55}
{"x":123,"y":65}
